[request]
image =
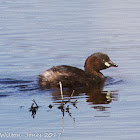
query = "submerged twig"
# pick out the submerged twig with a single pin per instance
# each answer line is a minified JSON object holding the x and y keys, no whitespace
{"x":74,"y":103}
{"x":71,"y":96}
{"x":50,"y":106}
{"x":35,"y":102}
{"x":34,"y":107}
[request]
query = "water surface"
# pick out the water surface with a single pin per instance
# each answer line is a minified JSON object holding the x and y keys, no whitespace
{"x":36,"y":35}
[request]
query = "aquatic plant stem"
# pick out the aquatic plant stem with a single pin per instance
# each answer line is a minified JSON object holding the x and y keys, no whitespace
{"x":61,"y":91}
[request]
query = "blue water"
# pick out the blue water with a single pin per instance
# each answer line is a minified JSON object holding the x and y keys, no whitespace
{"x":38,"y":34}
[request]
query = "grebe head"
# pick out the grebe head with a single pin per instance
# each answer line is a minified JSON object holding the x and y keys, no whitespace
{"x":97,"y":62}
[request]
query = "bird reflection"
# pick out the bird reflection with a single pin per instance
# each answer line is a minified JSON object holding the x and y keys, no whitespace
{"x":95,"y":95}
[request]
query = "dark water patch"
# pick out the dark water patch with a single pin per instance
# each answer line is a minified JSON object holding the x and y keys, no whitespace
{"x":13,"y":81}
{"x":101,"y":108}
{"x":19,"y":85}
{"x":1,"y":96}
{"x":33,"y":87}
{"x":113,"y":81}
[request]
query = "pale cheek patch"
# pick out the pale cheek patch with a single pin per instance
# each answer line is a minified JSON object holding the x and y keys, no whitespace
{"x":107,"y":64}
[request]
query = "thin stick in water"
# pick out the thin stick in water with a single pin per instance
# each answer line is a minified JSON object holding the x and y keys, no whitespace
{"x":61,"y":91}
{"x":71,"y":96}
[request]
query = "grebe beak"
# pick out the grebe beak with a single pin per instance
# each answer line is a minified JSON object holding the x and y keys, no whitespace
{"x":110,"y":64}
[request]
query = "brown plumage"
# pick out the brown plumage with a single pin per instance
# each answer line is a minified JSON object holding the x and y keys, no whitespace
{"x":73,"y":77}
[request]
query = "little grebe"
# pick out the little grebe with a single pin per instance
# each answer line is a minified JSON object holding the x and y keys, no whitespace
{"x":74,"y":77}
